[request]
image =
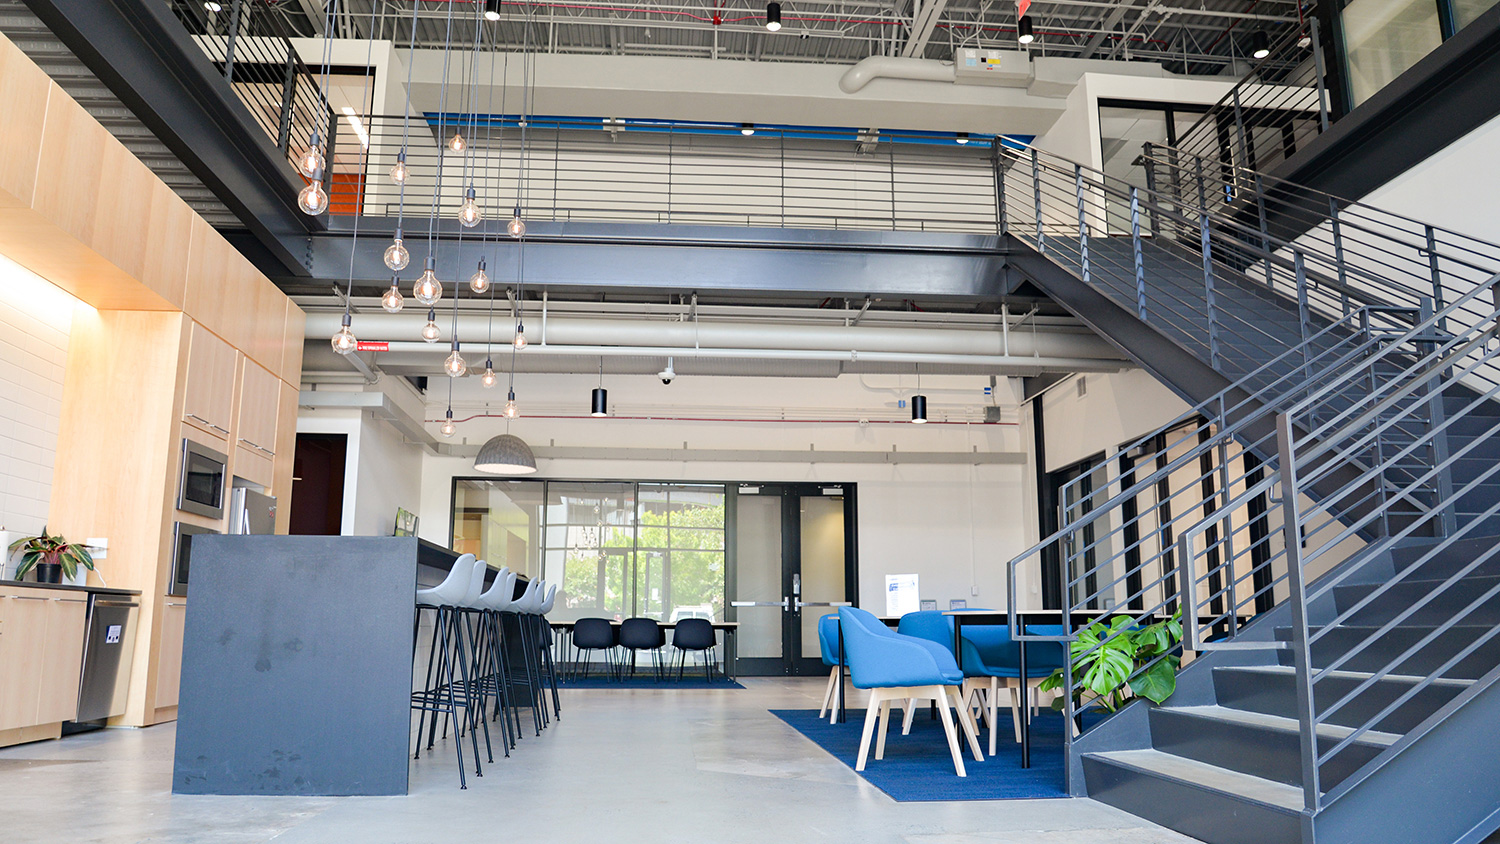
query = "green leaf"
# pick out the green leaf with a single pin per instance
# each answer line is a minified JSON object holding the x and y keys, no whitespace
{"x":1053,"y":681}
{"x":1156,"y":683}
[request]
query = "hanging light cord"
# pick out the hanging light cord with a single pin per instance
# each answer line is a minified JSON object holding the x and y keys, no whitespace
{"x":364,"y":159}
{"x":411,"y":50}
{"x":437,"y":190}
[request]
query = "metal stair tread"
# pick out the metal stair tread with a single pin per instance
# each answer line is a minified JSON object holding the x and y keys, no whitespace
{"x":1349,"y":675}
{"x":1282,"y":724}
{"x":1275,"y":795}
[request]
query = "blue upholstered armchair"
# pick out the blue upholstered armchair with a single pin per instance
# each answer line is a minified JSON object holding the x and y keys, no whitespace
{"x":894,"y":667}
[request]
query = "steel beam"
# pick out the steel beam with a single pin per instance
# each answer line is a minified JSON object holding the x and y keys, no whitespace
{"x":144,"y":55}
{"x":683,"y":259}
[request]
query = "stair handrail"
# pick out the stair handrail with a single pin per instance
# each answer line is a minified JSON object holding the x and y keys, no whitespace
{"x":1468,"y":357}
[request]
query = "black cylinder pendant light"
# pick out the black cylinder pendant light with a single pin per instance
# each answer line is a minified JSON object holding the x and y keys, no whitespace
{"x":773,"y":16}
{"x":919,"y":409}
{"x":600,"y":404}
{"x":1260,"y":44}
{"x":1024,"y":33}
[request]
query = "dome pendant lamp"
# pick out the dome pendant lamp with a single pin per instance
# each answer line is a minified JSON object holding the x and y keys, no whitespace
{"x":506,"y":454}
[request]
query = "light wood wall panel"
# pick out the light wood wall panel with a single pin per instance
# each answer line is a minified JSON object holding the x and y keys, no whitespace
{"x":23,"y":96}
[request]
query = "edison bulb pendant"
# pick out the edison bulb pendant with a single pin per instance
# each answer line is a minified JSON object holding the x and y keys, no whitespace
{"x":392,"y":301}
{"x":400,"y":173}
{"x":313,"y":200}
{"x":448,"y":427}
{"x":457,"y":143}
{"x":517,"y":226}
{"x":430,"y":331}
{"x":397,"y":256}
{"x":479,"y":282}
{"x":520,"y":341}
{"x":488,"y":379}
{"x":510,"y":408}
{"x":428,"y":289}
{"x":455,"y":365}
{"x":344,"y":342}
{"x":469,"y":214}
{"x":312,"y":160}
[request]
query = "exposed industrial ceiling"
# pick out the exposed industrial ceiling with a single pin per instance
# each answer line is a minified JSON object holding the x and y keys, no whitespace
{"x":1188,"y":36}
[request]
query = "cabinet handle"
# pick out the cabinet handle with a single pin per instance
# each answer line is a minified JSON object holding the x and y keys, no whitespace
{"x":25,"y":597}
{"x":260,"y":448}
{"x":175,"y":604}
{"x":206,"y":422}
{"x":71,"y":600}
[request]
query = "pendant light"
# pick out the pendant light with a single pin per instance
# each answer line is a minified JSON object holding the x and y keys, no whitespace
{"x":506,"y":454}
{"x":428,"y":289}
{"x":511,"y":411}
{"x":469,"y":214}
{"x":747,"y":129}
{"x":961,"y":138}
{"x":919,"y":403}
{"x":599,"y":402}
{"x":492,"y":10}
{"x":520,"y":339}
{"x":773,"y":16}
{"x":430,"y":331}
{"x":489,"y":378}
{"x":344,"y":342}
{"x":396,"y":256}
{"x":1024,"y":32}
{"x":455,"y":365}
{"x":392,"y":300}
{"x":313,"y":200}
{"x":400,"y":173}
{"x":457,"y":142}
{"x":448,"y":427}
{"x":517,"y":226}
{"x":1260,"y":44}
{"x":479,"y":282}
{"x":312,"y":161}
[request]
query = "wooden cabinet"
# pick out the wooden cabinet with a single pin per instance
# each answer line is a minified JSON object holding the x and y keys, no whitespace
{"x":260,"y":397}
{"x":169,"y":655}
{"x":208,"y":397}
{"x":62,"y":658}
{"x":41,"y":655}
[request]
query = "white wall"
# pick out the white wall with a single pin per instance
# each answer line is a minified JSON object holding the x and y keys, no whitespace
{"x":1075,"y":135}
{"x":1115,"y":410}
{"x":955,"y":525}
{"x":1454,"y":188}
{"x":389,"y":475}
{"x":35,"y":320}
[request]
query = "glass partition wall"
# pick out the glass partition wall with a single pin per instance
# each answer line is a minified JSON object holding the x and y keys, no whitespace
{"x":616,"y":549}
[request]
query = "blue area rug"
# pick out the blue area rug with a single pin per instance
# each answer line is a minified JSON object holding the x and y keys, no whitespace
{"x":646,"y":681}
{"x":918,"y":768}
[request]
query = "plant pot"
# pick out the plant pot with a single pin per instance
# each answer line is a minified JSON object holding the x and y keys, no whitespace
{"x":49,"y":572}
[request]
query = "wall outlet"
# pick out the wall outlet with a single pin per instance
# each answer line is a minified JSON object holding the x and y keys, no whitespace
{"x":974,"y":591}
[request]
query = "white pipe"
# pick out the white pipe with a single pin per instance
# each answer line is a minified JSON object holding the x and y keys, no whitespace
{"x":712,"y":337}
{"x":1028,"y":363}
{"x":891,"y":67}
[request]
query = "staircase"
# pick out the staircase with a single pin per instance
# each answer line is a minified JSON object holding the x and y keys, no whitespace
{"x":1327,"y":520}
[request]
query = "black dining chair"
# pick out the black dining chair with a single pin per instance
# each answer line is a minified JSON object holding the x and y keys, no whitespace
{"x":643,"y":634}
{"x":594,"y":634}
{"x":695,"y":634}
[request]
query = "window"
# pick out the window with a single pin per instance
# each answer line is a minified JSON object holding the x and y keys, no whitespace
{"x":1383,"y":38}
{"x":615,"y":549}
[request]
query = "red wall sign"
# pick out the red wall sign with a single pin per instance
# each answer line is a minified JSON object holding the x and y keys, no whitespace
{"x":371,"y":346}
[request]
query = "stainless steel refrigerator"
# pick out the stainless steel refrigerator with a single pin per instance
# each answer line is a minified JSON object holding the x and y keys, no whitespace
{"x":251,"y":512}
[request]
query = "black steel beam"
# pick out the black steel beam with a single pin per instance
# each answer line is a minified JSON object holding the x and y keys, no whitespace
{"x":669,"y":258}
{"x":146,"y":57}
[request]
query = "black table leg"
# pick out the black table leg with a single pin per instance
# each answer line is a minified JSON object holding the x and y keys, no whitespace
{"x":1025,"y":705}
{"x":842,"y":687}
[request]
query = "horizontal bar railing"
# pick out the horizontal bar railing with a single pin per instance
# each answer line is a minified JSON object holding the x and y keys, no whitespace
{"x":1459,"y":370}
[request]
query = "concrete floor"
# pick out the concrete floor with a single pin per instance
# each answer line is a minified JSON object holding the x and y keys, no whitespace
{"x":654,"y":767}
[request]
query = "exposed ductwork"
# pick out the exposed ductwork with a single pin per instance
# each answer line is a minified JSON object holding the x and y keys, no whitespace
{"x":1030,"y":348}
{"x":891,"y":67}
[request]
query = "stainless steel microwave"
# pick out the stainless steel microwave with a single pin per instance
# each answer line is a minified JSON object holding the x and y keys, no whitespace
{"x":182,"y":555}
{"x":201,"y":488}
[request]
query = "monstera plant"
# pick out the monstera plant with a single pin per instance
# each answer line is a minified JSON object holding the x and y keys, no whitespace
{"x":1104,"y":657}
{"x":50,"y":556}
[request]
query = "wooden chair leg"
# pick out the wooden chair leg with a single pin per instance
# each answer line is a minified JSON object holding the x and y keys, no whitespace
{"x":958,"y":758}
{"x":1015,"y":707}
{"x":833,"y":678}
{"x":885,"y":720}
{"x":907,"y":716}
{"x":838,"y":697}
{"x":872,"y":714}
{"x":966,"y":720}
{"x":994,"y":706}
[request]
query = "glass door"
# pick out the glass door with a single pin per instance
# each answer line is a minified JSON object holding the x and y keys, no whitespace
{"x":795,"y":562}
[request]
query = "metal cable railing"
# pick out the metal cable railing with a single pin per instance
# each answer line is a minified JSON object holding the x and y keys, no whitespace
{"x":249,"y":42}
{"x":1273,"y":111}
{"x":605,"y":171}
{"x":1435,"y":594}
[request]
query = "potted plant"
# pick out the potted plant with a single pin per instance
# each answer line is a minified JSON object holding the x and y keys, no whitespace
{"x":1105,"y":657}
{"x":52,"y":556}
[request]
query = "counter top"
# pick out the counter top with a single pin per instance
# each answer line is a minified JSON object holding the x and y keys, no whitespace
{"x":97,"y":590}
